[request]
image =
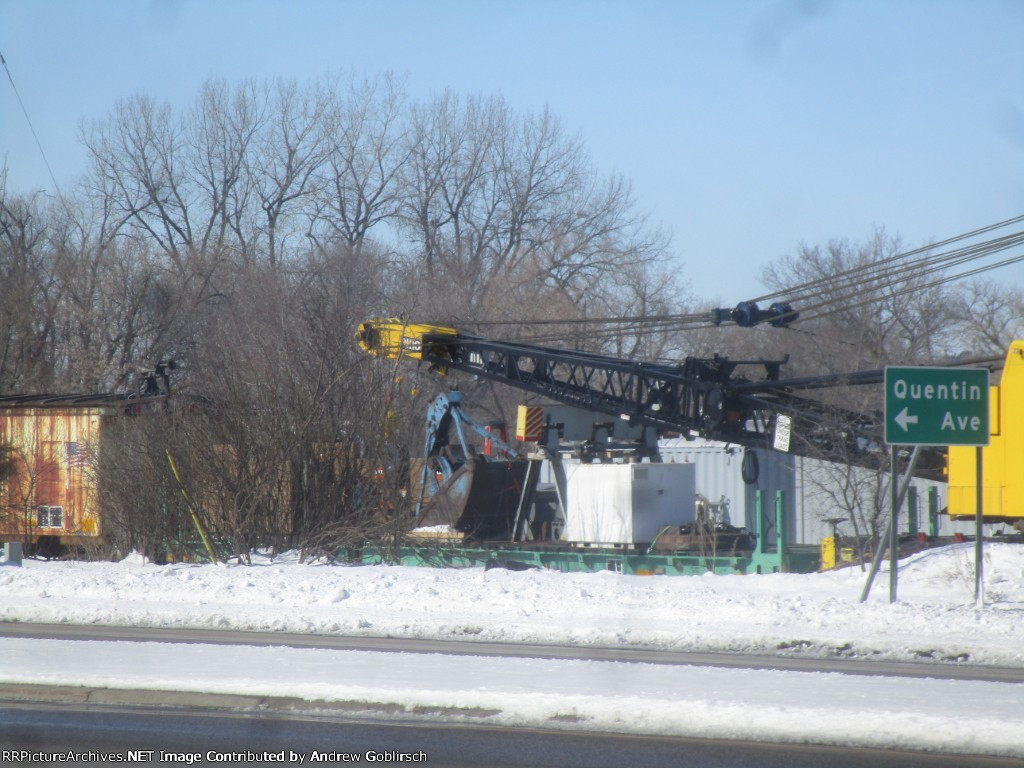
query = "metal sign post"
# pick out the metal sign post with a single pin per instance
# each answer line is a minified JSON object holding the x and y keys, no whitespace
{"x":979,"y":580}
{"x":894,"y":535}
{"x":883,"y":540}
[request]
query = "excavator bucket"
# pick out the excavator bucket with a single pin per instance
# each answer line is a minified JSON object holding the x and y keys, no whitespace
{"x":479,"y":499}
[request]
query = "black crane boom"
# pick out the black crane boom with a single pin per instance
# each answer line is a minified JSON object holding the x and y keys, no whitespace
{"x":707,"y":397}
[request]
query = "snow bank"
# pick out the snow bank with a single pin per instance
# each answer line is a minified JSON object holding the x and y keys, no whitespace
{"x":935,"y":616}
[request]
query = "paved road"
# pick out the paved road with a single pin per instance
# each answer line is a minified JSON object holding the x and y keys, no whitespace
{"x":106,"y":731}
{"x":849,"y":666}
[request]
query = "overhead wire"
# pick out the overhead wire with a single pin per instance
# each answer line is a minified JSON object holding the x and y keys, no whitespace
{"x":843,"y":295}
{"x":32,"y":128}
{"x":851,"y":289}
{"x":857,"y":272}
{"x":910,"y":289}
{"x":930,"y":263}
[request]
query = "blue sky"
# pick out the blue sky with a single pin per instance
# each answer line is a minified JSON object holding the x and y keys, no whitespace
{"x":746,"y":127}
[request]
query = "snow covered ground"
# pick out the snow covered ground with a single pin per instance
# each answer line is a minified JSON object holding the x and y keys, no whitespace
{"x":935,"y":620}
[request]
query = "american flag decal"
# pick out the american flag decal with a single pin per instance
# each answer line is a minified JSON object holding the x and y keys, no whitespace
{"x":77,"y":454}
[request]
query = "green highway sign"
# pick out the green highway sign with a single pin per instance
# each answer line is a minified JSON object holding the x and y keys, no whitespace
{"x":936,"y":406}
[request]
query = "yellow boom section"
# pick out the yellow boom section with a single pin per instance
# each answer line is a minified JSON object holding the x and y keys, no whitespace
{"x":1002,"y":459}
{"x":394,"y":337}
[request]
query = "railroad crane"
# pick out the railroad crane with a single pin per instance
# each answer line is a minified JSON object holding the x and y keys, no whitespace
{"x":742,"y":402}
{"x":716,"y":398}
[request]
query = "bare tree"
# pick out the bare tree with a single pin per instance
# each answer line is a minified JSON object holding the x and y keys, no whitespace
{"x":850,"y":473}
{"x":367,"y":151}
{"x":501,"y":205}
{"x":992,"y":315}
{"x":141,"y":170}
{"x":291,"y":150}
{"x":30,"y":293}
{"x":222,"y":133}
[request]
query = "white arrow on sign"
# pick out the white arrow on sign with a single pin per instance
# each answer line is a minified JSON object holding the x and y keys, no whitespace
{"x":903,"y":418}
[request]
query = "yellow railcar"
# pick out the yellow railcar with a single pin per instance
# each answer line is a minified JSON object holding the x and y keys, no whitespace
{"x":1002,"y":459}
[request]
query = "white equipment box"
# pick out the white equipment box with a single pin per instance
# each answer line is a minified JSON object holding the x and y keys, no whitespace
{"x":627,"y":503}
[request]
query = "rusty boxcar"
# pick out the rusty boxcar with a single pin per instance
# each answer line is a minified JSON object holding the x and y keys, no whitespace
{"x":53,"y":446}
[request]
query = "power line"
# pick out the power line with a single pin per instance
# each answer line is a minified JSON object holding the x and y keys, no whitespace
{"x":32,"y":128}
{"x":843,"y":294}
{"x":857,"y":272}
{"x":854,"y":288}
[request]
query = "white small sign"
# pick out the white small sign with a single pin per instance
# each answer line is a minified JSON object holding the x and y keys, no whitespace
{"x":783,"y":429}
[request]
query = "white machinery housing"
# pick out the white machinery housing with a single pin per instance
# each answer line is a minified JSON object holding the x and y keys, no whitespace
{"x":612,"y":504}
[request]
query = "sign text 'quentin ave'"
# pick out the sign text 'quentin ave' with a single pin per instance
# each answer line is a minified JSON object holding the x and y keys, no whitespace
{"x":936,"y":406}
